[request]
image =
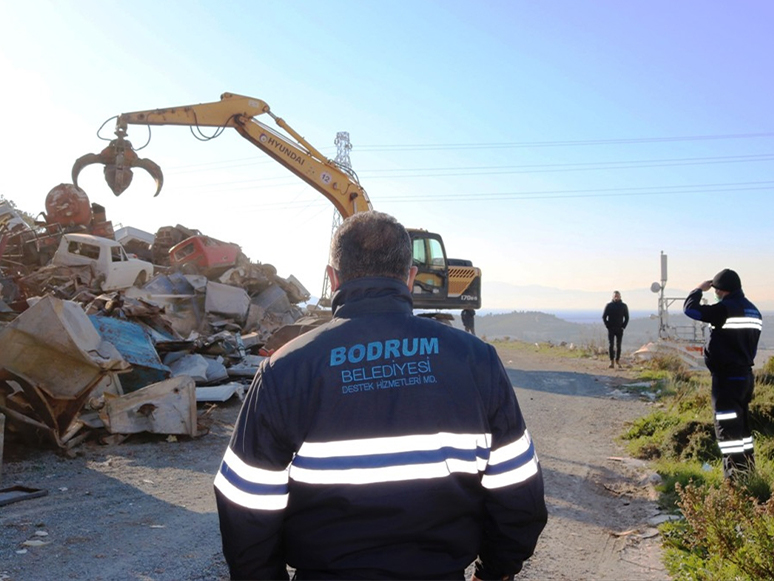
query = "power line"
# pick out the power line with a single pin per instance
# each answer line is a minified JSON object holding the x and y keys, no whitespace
{"x":540,"y":168}
{"x":565,"y":143}
{"x":225,"y":164}
{"x":522,"y":169}
{"x":547,"y":195}
{"x":256,"y":160}
{"x":729,"y":187}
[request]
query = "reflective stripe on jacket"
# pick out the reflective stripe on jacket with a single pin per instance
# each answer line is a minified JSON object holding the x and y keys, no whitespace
{"x":735,"y":327}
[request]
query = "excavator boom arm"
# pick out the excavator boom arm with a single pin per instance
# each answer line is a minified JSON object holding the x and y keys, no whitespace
{"x":437,"y":285}
{"x":336,"y":183}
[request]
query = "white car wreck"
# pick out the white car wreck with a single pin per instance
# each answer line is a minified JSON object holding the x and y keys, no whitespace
{"x":114,"y":269}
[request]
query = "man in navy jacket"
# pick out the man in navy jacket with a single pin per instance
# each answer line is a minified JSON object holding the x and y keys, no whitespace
{"x":735,"y":327}
{"x":380,"y":445}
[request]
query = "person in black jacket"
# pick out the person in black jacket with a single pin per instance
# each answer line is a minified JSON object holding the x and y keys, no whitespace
{"x":615,"y":317}
{"x":735,"y":327}
{"x":469,"y":320}
{"x":380,"y":445}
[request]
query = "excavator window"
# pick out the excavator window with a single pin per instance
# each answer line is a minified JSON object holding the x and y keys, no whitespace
{"x":437,"y":260}
{"x":430,"y":260}
{"x":428,"y":253}
{"x":420,"y":256}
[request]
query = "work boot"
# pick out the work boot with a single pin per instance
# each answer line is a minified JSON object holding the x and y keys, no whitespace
{"x":611,"y":364}
{"x":618,"y":363}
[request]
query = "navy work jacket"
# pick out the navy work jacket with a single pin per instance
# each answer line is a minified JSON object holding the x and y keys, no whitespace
{"x":380,"y":445}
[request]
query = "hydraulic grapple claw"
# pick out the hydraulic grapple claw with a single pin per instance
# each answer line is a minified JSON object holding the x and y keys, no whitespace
{"x":119,"y":158}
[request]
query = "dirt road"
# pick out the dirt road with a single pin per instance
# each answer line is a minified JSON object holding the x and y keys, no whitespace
{"x":144,"y":509}
{"x":599,"y":502}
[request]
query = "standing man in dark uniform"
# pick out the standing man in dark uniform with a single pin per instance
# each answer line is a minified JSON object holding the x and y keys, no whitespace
{"x":735,"y":327}
{"x":380,"y":445}
{"x":615,"y":317}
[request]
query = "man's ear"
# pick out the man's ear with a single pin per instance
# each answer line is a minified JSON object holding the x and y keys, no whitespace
{"x":412,"y":275}
{"x":333,"y":277}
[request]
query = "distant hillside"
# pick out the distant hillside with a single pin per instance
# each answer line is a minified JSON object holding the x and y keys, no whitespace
{"x":503,"y":295}
{"x":534,"y":326}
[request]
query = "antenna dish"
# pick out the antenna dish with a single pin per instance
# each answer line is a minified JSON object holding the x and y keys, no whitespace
{"x":655,"y":287}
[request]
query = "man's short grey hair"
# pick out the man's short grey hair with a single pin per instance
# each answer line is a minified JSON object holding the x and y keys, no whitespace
{"x":371,"y":244}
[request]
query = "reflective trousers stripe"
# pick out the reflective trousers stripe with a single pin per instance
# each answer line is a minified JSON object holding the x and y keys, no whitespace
{"x":721,"y":416}
{"x":736,"y":446}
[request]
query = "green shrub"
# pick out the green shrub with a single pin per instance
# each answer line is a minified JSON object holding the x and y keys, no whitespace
{"x":654,"y":375}
{"x":676,"y":474}
{"x":664,"y":434}
{"x":762,"y":409}
{"x":726,"y":535}
{"x":764,"y":448}
{"x":693,"y":440}
{"x":667,"y":362}
{"x":766,"y":374}
{"x":650,"y":425}
{"x":757,"y":486}
{"x":646,"y":434}
{"x":693,"y":397}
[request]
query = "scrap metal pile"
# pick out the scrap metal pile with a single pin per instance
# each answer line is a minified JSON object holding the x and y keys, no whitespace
{"x":112,"y":333}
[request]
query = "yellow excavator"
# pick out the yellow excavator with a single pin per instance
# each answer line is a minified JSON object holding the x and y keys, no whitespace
{"x":441,"y":282}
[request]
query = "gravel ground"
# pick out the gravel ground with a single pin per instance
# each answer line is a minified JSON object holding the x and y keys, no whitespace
{"x":144,"y":509}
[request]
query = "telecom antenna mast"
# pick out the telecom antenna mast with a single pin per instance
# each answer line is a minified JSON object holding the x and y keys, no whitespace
{"x":692,"y":333}
{"x":343,"y":147}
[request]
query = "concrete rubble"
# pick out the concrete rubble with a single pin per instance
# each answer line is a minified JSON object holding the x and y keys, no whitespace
{"x":77,"y":363}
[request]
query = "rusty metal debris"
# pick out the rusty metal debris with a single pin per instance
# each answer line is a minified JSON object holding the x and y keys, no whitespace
{"x":77,"y":361}
{"x":167,"y":407}
{"x":52,"y":359}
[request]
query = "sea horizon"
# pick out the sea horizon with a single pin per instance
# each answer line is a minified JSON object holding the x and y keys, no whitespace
{"x":581,"y":316}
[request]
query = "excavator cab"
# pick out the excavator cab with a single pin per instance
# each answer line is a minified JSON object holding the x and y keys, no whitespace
{"x":442,"y":282}
{"x":429,"y":256}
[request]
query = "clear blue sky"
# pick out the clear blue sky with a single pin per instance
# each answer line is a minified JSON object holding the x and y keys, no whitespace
{"x":562,"y":144}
